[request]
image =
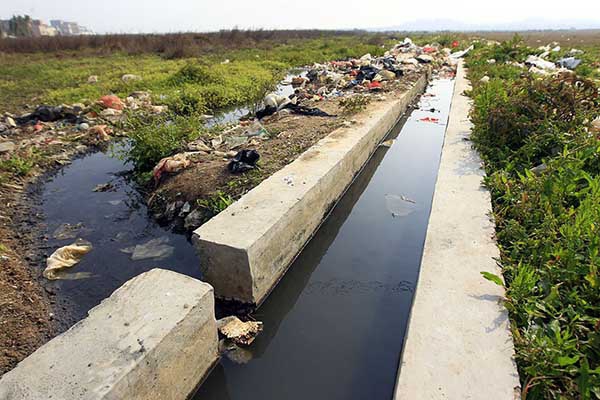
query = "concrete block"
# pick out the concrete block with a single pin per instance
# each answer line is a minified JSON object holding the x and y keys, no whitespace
{"x":154,"y":338}
{"x":247,"y":248}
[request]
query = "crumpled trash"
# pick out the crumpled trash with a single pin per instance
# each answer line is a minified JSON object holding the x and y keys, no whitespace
{"x":569,"y":62}
{"x":67,"y":231}
{"x":399,"y":206}
{"x":92,"y":79}
{"x":170,"y":165}
{"x":112,"y":101}
{"x":425,"y":58}
{"x":310,"y":111}
{"x":243,"y":161}
{"x":102,"y":132}
{"x":66,"y":257}
{"x":540,"y":63}
{"x":130,"y":78}
{"x":7,"y":147}
{"x":104,"y":187}
{"x":460,"y":54}
{"x":240,"y":333}
{"x":595,"y":126}
{"x":157,"y":249}
{"x":51,"y":114}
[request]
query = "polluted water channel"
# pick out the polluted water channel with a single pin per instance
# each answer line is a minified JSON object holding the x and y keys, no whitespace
{"x":94,"y":199}
{"x":334,"y":326}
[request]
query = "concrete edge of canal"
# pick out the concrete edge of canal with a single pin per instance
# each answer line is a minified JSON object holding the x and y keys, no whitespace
{"x":458,"y":344}
{"x":247,"y":248}
{"x":154,"y":338}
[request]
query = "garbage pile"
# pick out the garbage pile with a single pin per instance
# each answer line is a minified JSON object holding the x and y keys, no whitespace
{"x":47,"y":125}
{"x":365,"y":75}
{"x":539,"y":64}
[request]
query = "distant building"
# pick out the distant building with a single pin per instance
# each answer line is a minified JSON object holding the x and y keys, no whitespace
{"x":24,"y":26}
{"x":66,"y":28}
{"x":39,"y":28}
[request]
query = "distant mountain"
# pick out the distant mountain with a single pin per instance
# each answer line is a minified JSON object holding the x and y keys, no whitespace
{"x":524,"y":25}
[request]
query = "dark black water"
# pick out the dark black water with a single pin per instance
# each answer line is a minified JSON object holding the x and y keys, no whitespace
{"x":334,"y":326}
{"x":112,"y":221}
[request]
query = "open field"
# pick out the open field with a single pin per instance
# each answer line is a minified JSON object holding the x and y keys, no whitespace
{"x":532,"y":130}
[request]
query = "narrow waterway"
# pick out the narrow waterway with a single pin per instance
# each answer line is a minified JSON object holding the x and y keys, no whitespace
{"x":334,"y":326}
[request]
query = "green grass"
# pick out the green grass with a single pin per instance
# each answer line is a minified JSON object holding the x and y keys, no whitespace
{"x":547,"y":225}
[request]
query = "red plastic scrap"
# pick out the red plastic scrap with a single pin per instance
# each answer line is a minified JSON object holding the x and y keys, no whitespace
{"x":37,"y":127}
{"x":429,"y":49}
{"x":112,"y":101}
{"x":374,"y":85}
{"x":455,"y":44}
{"x":430,"y":119}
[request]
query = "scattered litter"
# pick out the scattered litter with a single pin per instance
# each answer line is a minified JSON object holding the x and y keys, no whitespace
{"x":240,"y":333}
{"x":540,"y":63}
{"x":6,"y":147}
{"x":66,"y":257}
{"x":568,"y":62}
{"x":171,"y":164}
{"x":198,"y":145}
{"x":595,"y":126}
{"x":399,"y":206}
{"x":537,"y":170}
{"x":130,"y":78}
{"x":388,"y":143}
{"x":430,"y":119}
{"x":67,"y":231}
{"x":50,"y":114}
{"x":243,"y":161}
{"x":92,"y":79}
{"x":460,"y":54}
{"x":157,"y":249}
{"x":485,"y":79}
{"x":112,"y":101}
{"x":104,"y":187}
{"x":101,"y":132}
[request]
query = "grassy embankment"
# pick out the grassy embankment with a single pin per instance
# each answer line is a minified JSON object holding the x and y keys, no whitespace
{"x":189,"y":85}
{"x":548,"y":222}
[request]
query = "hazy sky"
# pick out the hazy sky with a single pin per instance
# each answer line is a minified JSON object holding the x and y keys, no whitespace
{"x":203,"y":15}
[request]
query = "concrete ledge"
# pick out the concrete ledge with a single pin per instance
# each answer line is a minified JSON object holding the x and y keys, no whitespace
{"x":458,"y":344}
{"x":246,"y":249}
{"x":154,"y":338}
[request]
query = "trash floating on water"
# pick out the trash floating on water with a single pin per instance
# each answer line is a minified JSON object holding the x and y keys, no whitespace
{"x":67,"y":231}
{"x":154,"y":249}
{"x":399,"y":206}
{"x":66,"y":257}
{"x":104,"y":187}
{"x":241,"y":333}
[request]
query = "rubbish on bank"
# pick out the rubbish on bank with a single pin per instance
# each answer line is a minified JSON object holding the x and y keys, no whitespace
{"x":66,"y":257}
{"x":485,"y":79}
{"x":568,"y":62}
{"x":171,"y":164}
{"x":243,"y":161}
{"x":399,"y":206}
{"x":101,"y":132}
{"x":7,"y":147}
{"x":595,"y":126}
{"x":157,"y":249}
{"x":537,"y":170}
{"x":430,"y":119}
{"x":241,"y":333}
{"x":92,"y":79}
{"x":540,"y":63}
{"x":112,"y":101}
{"x":51,"y":114}
{"x":388,"y":143}
{"x":127,"y":78}
{"x":460,"y":54}
{"x":309,"y":111}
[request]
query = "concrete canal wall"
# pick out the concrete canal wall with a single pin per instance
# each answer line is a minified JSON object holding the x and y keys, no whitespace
{"x":458,"y":344}
{"x":247,"y":248}
{"x":154,"y":338}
